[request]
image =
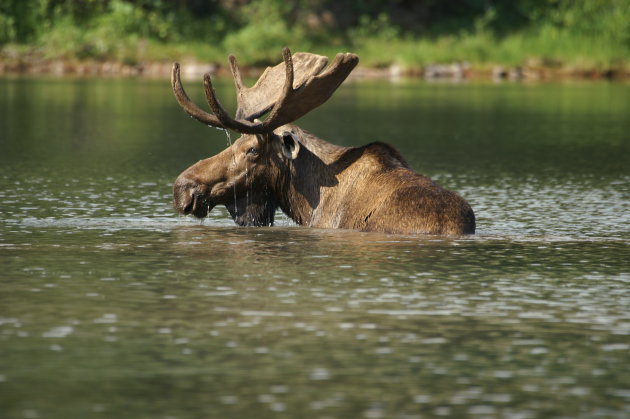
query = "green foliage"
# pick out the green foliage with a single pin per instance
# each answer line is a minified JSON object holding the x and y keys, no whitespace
{"x":582,"y":34}
{"x":18,"y":20}
{"x":264,"y":30}
{"x":118,"y":33}
{"x":379,"y":27}
{"x":7,"y":28}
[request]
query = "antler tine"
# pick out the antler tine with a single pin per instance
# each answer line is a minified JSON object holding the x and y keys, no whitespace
{"x":288,"y":66}
{"x":240,"y":87}
{"x":242,"y":126}
{"x":236,"y":73}
{"x":187,"y":104}
{"x":342,"y":66}
{"x":274,"y":119}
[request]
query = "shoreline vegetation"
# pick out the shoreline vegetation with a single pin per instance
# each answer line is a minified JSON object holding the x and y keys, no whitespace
{"x":500,"y":39}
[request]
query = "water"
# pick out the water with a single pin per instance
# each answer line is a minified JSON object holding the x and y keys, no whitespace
{"x":113,"y":306}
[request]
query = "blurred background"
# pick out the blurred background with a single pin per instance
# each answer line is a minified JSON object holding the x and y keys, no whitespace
{"x":535,"y":38}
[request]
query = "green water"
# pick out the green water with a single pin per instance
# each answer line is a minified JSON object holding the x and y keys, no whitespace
{"x":113,"y":306}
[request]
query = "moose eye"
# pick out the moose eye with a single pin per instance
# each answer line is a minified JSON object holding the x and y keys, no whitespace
{"x":253,"y":151}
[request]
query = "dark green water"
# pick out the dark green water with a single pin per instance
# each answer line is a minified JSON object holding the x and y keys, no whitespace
{"x":111,"y":306}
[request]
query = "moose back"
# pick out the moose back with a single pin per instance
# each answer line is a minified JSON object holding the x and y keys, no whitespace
{"x":276,"y":164}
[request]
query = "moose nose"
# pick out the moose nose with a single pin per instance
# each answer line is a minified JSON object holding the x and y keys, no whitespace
{"x":190,"y":197}
{"x":183,"y":195}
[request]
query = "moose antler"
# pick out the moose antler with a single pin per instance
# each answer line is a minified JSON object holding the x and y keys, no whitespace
{"x":305,"y":87}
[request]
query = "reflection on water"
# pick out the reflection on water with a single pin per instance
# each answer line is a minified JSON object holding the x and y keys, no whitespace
{"x":111,"y":305}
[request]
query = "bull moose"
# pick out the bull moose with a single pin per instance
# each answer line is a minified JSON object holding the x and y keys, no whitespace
{"x":276,"y":164}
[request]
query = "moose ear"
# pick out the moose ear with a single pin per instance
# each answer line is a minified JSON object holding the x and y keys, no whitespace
{"x":290,"y":145}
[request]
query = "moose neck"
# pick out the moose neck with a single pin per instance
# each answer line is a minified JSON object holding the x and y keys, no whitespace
{"x":302,"y":183}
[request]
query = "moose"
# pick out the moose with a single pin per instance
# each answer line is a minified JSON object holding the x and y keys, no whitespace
{"x":275,"y":164}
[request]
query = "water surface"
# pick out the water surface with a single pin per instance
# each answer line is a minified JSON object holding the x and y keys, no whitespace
{"x":113,"y":306}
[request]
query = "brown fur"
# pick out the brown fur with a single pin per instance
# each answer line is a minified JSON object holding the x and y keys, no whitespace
{"x":368,"y":188}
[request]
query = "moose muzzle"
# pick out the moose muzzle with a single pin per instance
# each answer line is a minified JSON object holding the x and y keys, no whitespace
{"x":190,"y":197}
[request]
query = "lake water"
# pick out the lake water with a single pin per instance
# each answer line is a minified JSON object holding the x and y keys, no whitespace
{"x":113,"y":306}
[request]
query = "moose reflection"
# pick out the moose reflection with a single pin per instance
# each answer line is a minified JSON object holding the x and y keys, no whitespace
{"x":276,"y":164}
